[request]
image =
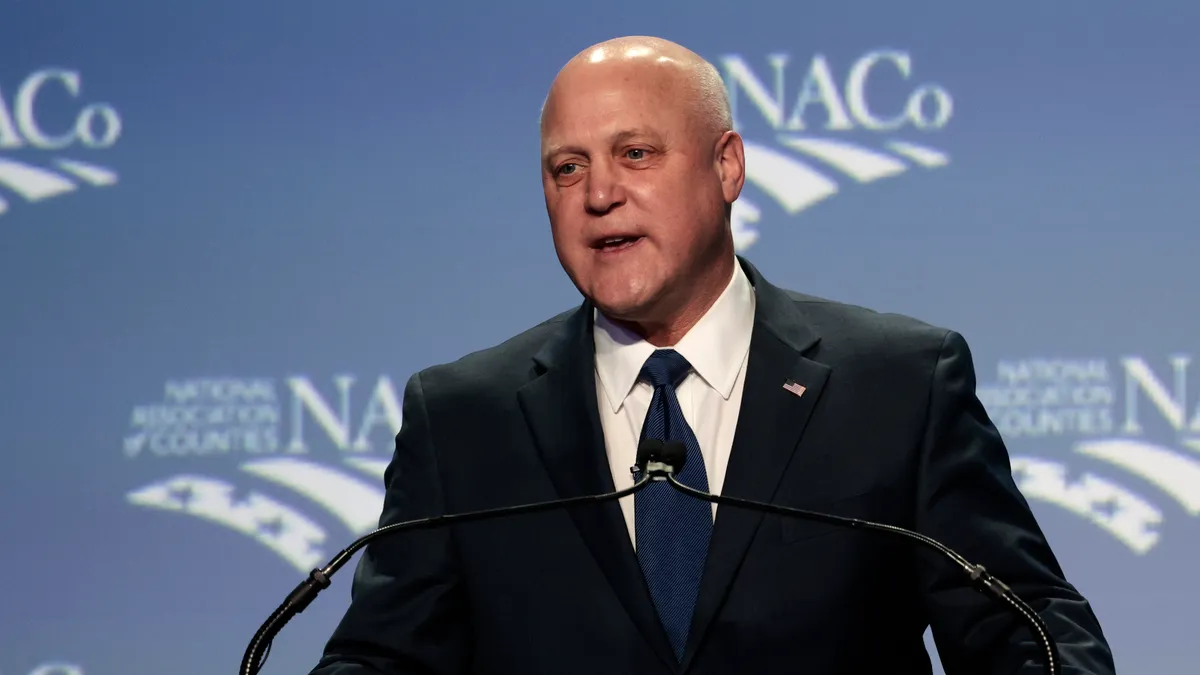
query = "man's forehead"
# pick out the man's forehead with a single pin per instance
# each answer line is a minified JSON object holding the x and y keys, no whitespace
{"x":608,"y":119}
{"x":612,"y":107}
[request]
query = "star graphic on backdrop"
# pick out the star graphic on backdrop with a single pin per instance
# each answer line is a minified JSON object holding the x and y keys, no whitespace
{"x":182,"y":494}
{"x":271,"y":528}
{"x":1104,"y":509}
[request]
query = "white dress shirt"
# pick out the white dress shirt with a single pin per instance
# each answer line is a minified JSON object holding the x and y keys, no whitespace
{"x":710,"y":396}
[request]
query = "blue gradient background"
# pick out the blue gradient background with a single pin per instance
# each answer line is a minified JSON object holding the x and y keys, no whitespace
{"x":311,"y":188}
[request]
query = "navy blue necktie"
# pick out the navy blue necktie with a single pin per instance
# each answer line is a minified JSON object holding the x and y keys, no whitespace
{"x":672,"y":529}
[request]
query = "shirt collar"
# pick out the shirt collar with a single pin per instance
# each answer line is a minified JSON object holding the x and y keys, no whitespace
{"x":716,"y":346}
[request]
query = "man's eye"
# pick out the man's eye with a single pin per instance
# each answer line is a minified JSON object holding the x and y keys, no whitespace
{"x":566,"y":169}
{"x":635,"y":153}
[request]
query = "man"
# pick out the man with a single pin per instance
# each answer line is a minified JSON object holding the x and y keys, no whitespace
{"x":777,"y":396}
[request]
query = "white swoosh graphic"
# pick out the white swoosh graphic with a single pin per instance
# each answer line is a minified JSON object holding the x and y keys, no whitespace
{"x":1122,"y":513}
{"x":31,"y":182}
{"x":792,"y":183}
{"x":298,"y":539}
{"x":373,"y":467}
{"x":1174,"y":474}
{"x":926,"y":157}
{"x":862,"y":164}
{"x":91,"y":173}
{"x":354,"y":502}
{"x":3,"y":205}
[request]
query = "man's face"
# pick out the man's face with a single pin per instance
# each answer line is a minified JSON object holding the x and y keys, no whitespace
{"x":634,"y":187}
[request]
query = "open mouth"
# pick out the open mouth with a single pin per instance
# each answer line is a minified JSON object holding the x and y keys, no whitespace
{"x":616,"y":243}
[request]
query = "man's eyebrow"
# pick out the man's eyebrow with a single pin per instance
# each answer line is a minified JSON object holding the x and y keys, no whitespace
{"x":558,"y":149}
{"x":636,"y":132}
{"x":618,"y":137}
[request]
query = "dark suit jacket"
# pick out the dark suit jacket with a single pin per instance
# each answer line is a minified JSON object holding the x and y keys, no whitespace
{"x":889,"y":430}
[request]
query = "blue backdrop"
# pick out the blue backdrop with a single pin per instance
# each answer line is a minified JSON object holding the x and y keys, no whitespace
{"x":230,"y":231}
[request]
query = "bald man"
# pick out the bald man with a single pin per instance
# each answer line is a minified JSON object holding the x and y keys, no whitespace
{"x":776,"y":396}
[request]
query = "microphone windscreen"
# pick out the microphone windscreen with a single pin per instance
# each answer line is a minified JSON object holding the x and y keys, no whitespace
{"x":651,"y":448}
{"x":674,"y":453}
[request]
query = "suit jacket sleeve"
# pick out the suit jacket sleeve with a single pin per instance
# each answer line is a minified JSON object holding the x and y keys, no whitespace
{"x":968,"y":499}
{"x":407,"y":614}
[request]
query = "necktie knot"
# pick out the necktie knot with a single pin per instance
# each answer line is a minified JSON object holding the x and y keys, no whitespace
{"x":665,"y":367}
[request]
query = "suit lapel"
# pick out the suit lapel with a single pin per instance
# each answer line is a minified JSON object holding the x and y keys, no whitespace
{"x":560,"y":407}
{"x":771,"y":421}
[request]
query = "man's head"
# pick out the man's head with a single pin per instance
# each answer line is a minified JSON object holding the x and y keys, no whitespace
{"x":640,"y":166}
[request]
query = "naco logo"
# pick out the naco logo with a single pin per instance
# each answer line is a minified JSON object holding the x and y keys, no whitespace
{"x":264,"y":477}
{"x":1121,"y":416}
{"x":278,"y":490}
{"x":797,"y":168}
{"x":24,"y":125}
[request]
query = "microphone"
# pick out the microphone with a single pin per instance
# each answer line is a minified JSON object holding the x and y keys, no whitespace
{"x":255,"y":657}
{"x":666,"y":461}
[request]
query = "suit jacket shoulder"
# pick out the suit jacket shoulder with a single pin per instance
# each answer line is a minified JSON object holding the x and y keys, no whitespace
{"x":475,"y":377}
{"x":861,"y":337}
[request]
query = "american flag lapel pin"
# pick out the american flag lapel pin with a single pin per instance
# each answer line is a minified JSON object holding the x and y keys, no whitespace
{"x":797,"y":389}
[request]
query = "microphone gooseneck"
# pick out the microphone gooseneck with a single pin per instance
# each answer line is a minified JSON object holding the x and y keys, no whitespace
{"x":319,"y":579}
{"x":668,"y":462}
{"x":656,"y":461}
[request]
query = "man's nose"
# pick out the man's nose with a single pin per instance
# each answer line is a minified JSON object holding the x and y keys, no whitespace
{"x":604,"y":190}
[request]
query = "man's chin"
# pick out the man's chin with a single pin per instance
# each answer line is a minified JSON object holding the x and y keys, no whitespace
{"x":626,"y":310}
{"x":627,"y":301}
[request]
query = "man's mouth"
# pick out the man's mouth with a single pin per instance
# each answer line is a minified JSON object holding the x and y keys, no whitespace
{"x":616,"y":243}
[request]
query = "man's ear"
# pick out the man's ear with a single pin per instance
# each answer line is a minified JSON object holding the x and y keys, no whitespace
{"x":731,"y":164}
